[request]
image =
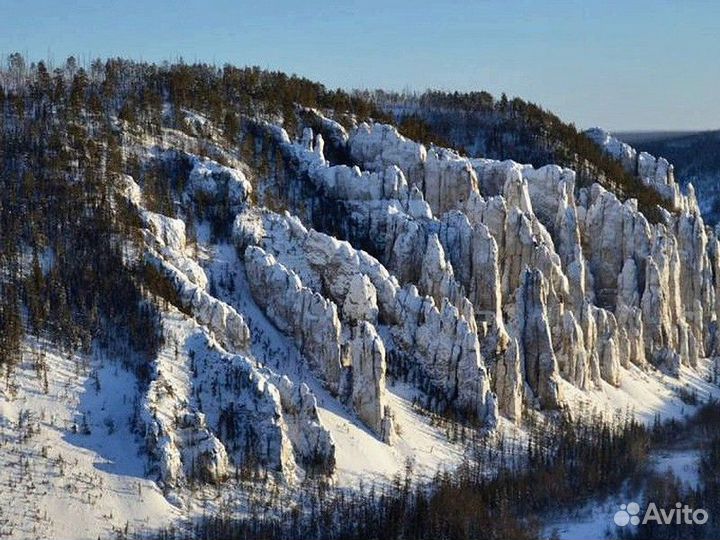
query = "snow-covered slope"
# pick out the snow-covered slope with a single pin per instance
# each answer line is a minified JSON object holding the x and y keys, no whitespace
{"x":332,"y":322}
{"x":71,"y":465}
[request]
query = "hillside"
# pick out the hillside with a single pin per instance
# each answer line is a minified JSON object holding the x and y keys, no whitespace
{"x":236,"y":303}
{"x":695,"y":156}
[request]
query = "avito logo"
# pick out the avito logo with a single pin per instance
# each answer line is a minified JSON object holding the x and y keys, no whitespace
{"x":627,"y":514}
{"x":681,"y":514}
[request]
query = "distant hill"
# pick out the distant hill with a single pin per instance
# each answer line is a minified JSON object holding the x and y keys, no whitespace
{"x":639,"y":137}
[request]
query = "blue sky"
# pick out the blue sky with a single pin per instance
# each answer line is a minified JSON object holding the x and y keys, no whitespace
{"x":622,"y":65}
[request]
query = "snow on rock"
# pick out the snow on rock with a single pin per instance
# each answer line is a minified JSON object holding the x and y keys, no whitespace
{"x":249,"y":409}
{"x":367,"y":356}
{"x":165,"y":239}
{"x":258,"y":419}
{"x":361,"y":300}
{"x":167,"y":236}
{"x":376,"y":146}
{"x":72,"y":464}
{"x":298,"y":311}
{"x":227,"y":324}
{"x":207,"y":413}
{"x":401,"y":277}
{"x":441,"y":342}
{"x":481,"y":251}
{"x":629,"y":314}
{"x":607,"y":346}
{"x":311,"y":440}
{"x":217,"y":183}
{"x":176,"y":434}
{"x":623,"y":152}
{"x":263,"y":419}
{"x":535,"y":343}
{"x":550,"y":188}
{"x":438,"y":281}
{"x":614,"y":232}
{"x":337,"y":135}
{"x":167,"y":232}
{"x":204,"y":456}
{"x":509,"y":382}
{"x":244,"y":405}
{"x":573,"y":360}
{"x":343,"y":182}
{"x":495,"y":219}
{"x":657,"y":173}
{"x":449,"y":180}
{"x":444,"y":178}
{"x":447,"y":352}
{"x":353,"y":368}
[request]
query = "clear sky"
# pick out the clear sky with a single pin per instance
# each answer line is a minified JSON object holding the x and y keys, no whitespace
{"x":634,"y":64}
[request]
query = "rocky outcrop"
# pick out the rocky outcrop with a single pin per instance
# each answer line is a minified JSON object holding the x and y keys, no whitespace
{"x":509,"y":382}
{"x":474,"y":252}
{"x":343,"y":182}
{"x":654,"y":172}
{"x":299,"y":312}
{"x":263,"y":419}
{"x":223,"y":320}
{"x":360,"y":300}
{"x":488,"y":286}
{"x":248,"y":430}
{"x":367,"y":357}
{"x":447,"y":352}
{"x":440,"y":342}
{"x":185,"y":450}
{"x":257,"y":419}
{"x":448,"y":181}
{"x":629,"y":315}
{"x":463,"y":231}
{"x":444,"y":178}
{"x":349,"y":356}
{"x":613,"y":232}
{"x":217,"y":184}
{"x":572,"y":354}
{"x":165,"y":239}
{"x":312,"y":443}
{"x":535,"y":342}
{"x":623,"y":152}
{"x":438,"y":281}
{"x":377,"y":146}
{"x":607,"y":346}
{"x":227,"y":324}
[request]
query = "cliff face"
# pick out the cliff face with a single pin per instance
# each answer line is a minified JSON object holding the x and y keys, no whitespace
{"x":556,"y":282}
{"x":489,"y":287}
